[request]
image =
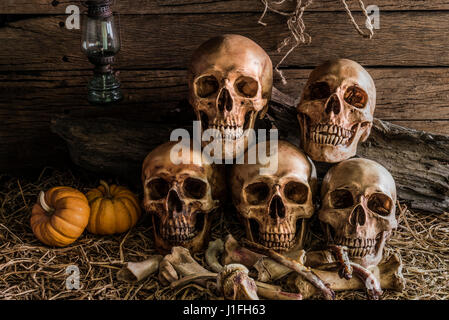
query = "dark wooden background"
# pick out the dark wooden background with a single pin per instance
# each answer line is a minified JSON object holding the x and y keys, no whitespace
{"x":44,"y":74}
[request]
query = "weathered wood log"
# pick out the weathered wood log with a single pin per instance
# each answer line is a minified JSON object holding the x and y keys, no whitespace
{"x":418,"y":161}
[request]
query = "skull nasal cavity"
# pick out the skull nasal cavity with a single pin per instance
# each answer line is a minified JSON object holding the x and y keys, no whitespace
{"x":358,"y":216}
{"x":174,"y":203}
{"x":277,"y":208}
{"x":333,"y":105}
{"x":224,"y":100}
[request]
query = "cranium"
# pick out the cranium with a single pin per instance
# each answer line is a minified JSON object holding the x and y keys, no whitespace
{"x":358,"y":208}
{"x":230,"y":81}
{"x":336,"y":110}
{"x":180,"y":197}
{"x":272,"y":205}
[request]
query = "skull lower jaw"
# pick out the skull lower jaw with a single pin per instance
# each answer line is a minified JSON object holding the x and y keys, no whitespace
{"x":364,"y":251}
{"x":192,"y":236}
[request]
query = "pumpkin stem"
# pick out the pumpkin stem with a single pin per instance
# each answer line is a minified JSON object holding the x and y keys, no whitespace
{"x":106,"y":187}
{"x":44,"y":204}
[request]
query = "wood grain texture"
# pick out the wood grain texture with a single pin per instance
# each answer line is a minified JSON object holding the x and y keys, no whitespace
{"x":404,"y":94}
{"x":167,"y":41}
{"x":206,"y":6}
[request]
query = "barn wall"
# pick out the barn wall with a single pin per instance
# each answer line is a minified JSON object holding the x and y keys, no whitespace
{"x":43,"y":73}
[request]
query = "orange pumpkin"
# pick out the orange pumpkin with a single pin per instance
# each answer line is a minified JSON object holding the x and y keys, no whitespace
{"x":60,"y":216}
{"x":114,"y":209}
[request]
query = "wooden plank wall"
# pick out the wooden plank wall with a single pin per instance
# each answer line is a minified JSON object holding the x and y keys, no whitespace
{"x":43,"y":73}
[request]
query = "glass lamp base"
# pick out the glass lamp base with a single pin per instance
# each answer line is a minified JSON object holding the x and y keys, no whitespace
{"x":104,"y":89}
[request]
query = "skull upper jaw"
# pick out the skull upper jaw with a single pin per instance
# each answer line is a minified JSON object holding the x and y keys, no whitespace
{"x":196,"y":243}
{"x":331,"y":148}
{"x":286,"y":236}
{"x":230,"y":147}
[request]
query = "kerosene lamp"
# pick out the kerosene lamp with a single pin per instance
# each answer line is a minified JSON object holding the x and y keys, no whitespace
{"x":101,"y":42}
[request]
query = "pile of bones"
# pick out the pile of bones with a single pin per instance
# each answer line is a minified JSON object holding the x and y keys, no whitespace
{"x":230,"y":84}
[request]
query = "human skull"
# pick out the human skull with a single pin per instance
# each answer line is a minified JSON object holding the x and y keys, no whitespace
{"x":275,"y":206}
{"x":336,"y":110}
{"x":230,"y":81}
{"x":358,"y":208}
{"x":180,"y":197}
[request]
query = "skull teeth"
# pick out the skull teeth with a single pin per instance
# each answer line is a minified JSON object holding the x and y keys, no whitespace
{"x":177,"y":234}
{"x":330,"y":134}
{"x":227,"y":132}
{"x":357,"y":247}
{"x":277,"y":241}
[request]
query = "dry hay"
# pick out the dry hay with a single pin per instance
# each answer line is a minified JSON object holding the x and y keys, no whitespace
{"x":30,"y":270}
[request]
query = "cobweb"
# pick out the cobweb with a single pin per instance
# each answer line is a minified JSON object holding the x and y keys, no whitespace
{"x":295,"y":23}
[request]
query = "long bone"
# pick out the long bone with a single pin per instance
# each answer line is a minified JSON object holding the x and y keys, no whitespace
{"x":136,"y":271}
{"x":179,"y":268}
{"x":267,"y":269}
{"x":263,"y":289}
{"x":179,"y":264}
{"x":296,"y":266}
{"x":388,"y":274}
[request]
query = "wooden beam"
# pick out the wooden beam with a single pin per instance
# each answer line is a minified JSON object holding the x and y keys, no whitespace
{"x":206,"y":6}
{"x":168,"y":41}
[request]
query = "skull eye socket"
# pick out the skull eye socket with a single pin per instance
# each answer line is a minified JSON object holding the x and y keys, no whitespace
{"x":246,"y":87}
{"x":257,"y":192}
{"x":341,"y":199}
{"x":206,"y":86}
{"x":356,"y":97}
{"x":296,"y":192}
{"x":195,"y":188}
{"x":158,"y":188}
{"x":380,"y":204}
{"x":319,"y":90}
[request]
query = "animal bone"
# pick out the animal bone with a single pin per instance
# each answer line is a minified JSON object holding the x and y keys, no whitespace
{"x":234,"y":253}
{"x":388,"y":274}
{"x":179,"y":264}
{"x":265,"y":290}
{"x":341,"y":253}
{"x":267,"y":269}
{"x":214,"y":249}
{"x":236,"y":284}
{"x":179,"y":268}
{"x":232,"y":281}
{"x":305,"y":272}
{"x":136,"y":271}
